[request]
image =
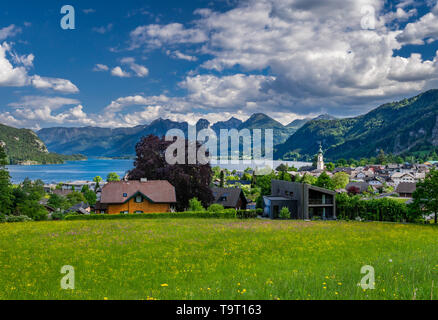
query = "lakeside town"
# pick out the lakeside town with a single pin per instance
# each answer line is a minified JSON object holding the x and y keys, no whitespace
{"x":242,"y":190}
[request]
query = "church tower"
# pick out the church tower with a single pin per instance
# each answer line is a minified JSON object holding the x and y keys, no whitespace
{"x":320,"y":163}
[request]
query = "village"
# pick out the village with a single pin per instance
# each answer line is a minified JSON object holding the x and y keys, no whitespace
{"x":290,"y":188}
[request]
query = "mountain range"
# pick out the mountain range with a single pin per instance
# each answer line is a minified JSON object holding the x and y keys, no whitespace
{"x":405,"y":127}
{"x":106,"y":142}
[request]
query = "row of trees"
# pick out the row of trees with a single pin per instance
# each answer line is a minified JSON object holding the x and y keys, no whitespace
{"x":19,"y":200}
{"x":383,"y":159}
{"x":25,"y":199}
{"x":338,"y":181}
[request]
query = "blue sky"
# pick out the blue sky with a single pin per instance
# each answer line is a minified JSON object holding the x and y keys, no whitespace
{"x":130,"y":62}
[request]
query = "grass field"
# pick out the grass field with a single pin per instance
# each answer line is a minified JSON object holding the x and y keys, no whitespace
{"x":217,"y":259}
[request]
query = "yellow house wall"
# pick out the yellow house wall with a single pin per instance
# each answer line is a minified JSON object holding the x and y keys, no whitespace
{"x":132,"y":207}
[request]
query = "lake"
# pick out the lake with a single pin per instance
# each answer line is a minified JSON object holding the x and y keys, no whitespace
{"x":87,"y":170}
{"x":71,"y":170}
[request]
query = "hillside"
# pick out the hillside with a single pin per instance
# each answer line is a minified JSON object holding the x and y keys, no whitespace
{"x":105,"y":142}
{"x":24,"y":147}
{"x":403,"y":127}
{"x":299,"y":123}
{"x":262,"y":121}
{"x":226,"y":125}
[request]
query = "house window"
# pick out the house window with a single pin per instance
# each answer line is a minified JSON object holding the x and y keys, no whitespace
{"x":139,"y":212}
{"x":124,"y":212}
{"x":138,"y":199}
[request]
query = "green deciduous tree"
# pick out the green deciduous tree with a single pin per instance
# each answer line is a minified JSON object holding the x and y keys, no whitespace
{"x":90,"y":197}
{"x":283,"y":175}
{"x":426,"y":195}
{"x":58,"y":202}
{"x":324,"y":181}
{"x":34,"y":190}
{"x":97,"y":180}
{"x":341,"y":163}
{"x":330,"y":166}
{"x":75,"y":198}
{"x":307,"y":178}
{"x":246,"y":177}
{"x":195,"y":205}
{"x":112,"y":177}
{"x":32,"y":209}
{"x":340,"y":180}
{"x":264,"y":183}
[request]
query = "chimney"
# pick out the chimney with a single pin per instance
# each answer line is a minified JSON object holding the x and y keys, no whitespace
{"x":143,"y":180}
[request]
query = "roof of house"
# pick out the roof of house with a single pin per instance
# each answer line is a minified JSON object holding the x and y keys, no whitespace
{"x":319,"y":189}
{"x":242,"y":182}
{"x":80,"y":207}
{"x":227,"y":197}
{"x":274,"y":198}
{"x":406,"y":187}
{"x":363,"y":186}
{"x":62,"y":192}
{"x":157,"y":191}
{"x":401,"y":174}
{"x":344,"y":169}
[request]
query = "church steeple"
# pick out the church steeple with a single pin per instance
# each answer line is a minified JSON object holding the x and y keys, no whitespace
{"x":320,"y":163}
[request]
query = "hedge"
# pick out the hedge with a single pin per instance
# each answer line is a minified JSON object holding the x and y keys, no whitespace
{"x":226,"y":214}
{"x":11,"y":219}
{"x":351,"y":208}
{"x":246,"y":214}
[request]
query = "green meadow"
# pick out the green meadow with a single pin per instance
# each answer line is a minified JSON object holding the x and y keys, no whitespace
{"x":217,"y":259}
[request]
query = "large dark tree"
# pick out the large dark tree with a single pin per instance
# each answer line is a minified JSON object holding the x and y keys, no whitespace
{"x":189,"y":180}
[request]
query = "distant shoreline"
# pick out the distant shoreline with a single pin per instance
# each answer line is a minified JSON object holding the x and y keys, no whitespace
{"x":64,"y":159}
{"x":116,"y":158}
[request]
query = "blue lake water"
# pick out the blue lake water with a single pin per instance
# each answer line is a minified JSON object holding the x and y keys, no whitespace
{"x":71,"y":170}
{"x":87,"y":170}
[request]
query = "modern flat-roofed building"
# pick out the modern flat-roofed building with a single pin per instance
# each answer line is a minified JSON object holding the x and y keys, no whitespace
{"x":304,"y":201}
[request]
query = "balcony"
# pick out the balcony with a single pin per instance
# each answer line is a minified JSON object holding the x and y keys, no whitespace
{"x":320,"y":202}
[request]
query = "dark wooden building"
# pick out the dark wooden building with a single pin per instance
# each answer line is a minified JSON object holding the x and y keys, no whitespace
{"x":406,"y":189}
{"x":230,"y":198}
